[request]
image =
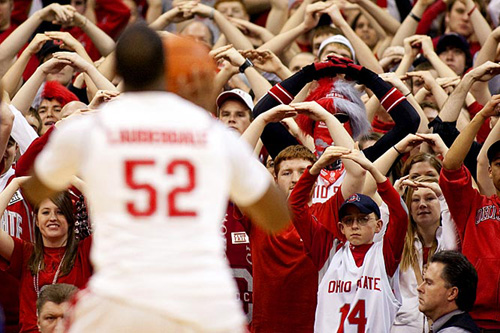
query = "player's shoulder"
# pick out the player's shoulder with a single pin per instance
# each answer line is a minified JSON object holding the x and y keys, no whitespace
{"x":157,"y":106}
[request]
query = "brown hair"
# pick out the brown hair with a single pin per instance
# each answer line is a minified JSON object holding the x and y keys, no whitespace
{"x":372,"y":136}
{"x":63,"y":201}
{"x":56,"y":293}
{"x":421,"y":157}
{"x":218,"y":2}
{"x":410,"y":255}
{"x":297,"y":152}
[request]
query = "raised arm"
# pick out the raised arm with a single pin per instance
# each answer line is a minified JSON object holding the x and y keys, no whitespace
{"x":484,"y":182}
{"x":398,"y":215}
{"x":456,"y":155}
{"x":16,"y":40}
{"x":12,"y":79}
{"x":88,"y":68}
{"x":385,"y":162}
{"x":488,"y":52}
{"x":24,"y":97}
{"x":428,"y":51}
{"x":268,"y":62}
{"x":233,"y":34}
{"x":6,"y":241}
{"x":410,"y":23}
{"x":393,"y":79}
{"x":481,"y":27}
{"x":275,"y":136}
{"x":389,"y":23}
{"x":276,"y":114}
{"x":259,"y":84}
{"x":102,"y":41}
{"x":451,"y":108}
{"x":6,"y":123}
{"x":364,"y":55}
{"x":404,"y":115}
{"x":412,"y":49}
{"x":432,"y":86}
{"x":278,"y":16}
{"x":174,"y":15}
{"x":286,"y":38}
{"x":354,"y":179}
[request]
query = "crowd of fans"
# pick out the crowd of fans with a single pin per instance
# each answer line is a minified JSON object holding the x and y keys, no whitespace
{"x":378,"y":119}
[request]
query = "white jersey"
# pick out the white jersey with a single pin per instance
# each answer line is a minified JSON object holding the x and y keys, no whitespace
{"x":158,"y":171}
{"x":357,"y":299}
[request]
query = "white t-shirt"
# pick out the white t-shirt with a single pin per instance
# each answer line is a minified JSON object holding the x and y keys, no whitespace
{"x":159,"y":171}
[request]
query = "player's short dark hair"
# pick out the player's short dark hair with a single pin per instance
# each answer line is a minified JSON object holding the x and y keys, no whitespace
{"x":140,"y":57}
{"x":56,"y":293}
{"x":296,"y":152}
{"x":458,"y":272}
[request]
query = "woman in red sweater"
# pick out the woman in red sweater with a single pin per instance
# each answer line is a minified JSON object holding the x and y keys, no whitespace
{"x":56,"y":256}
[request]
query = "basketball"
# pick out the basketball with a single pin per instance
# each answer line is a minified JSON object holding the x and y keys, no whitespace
{"x":184,"y":57}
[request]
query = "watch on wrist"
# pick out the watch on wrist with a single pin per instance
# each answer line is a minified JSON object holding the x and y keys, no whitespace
{"x":245,"y":65}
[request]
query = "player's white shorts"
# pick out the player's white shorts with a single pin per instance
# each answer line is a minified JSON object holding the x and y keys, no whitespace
{"x":94,"y":313}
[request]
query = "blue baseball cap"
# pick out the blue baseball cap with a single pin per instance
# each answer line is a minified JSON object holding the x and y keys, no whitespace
{"x":364,"y":203}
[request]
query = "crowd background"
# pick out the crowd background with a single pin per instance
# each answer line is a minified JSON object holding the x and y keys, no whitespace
{"x":413,"y":87}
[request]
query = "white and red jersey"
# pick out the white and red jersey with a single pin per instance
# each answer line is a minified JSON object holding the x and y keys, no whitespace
{"x":17,"y":219}
{"x":239,"y":257}
{"x":357,"y":299}
{"x":159,"y":172}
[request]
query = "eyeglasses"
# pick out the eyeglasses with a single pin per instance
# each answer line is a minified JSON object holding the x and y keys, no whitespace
{"x":362,"y":220}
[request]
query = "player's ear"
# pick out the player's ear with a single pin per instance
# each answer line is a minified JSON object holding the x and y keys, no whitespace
{"x":379,"y":225}
{"x":341,"y":227}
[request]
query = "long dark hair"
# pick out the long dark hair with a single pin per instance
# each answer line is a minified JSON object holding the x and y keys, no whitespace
{"x":63,"y":201}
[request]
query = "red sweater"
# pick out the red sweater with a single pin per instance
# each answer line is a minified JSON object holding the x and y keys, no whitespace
{"x":478,"y":223}
{"x":18,"y":268}
{"x":285,"y":283}
{"x":285,"y":280}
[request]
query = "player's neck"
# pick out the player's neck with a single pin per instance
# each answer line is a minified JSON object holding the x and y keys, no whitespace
{"x":157,"y":85}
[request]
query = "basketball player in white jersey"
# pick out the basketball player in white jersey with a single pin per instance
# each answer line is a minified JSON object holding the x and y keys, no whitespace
{"x":159,"y":172}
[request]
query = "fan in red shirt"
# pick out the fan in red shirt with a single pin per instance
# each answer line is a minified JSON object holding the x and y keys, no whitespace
{"x":56,"y":256}
{"x":476,"y":215}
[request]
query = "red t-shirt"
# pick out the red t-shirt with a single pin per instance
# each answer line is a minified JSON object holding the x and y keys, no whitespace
{"x":18,"y":268}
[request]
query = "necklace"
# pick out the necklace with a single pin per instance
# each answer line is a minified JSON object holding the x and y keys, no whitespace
{"x":35,"y":278}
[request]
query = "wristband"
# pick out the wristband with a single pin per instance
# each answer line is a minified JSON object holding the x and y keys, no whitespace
{"x":415,"y":17}
{"x":245,"y":65}
{"x":408,"y":94}
{"x":396,"y":149}
{"x":472,"y":10}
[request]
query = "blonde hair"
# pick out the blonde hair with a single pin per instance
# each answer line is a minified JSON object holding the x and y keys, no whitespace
{"x":410,"y":255}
